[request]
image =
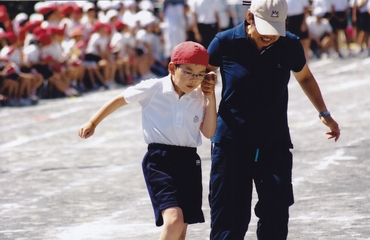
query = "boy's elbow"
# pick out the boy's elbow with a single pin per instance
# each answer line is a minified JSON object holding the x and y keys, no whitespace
{"x":209,"y":134}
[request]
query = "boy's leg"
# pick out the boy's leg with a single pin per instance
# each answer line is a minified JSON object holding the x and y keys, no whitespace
{"x":91,"y":72}
{"x":173,"y":224}
{"x":99,"y":75}
{"x":37,"y":81}
{"x":175,"y":189}
{"x":112,"y":70}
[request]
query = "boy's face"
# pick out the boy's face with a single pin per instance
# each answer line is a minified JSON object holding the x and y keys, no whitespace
{"x":186,"y":77}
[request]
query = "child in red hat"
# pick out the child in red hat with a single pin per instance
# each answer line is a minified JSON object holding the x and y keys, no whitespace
{"x":176,"y":109}
{"x":122,"y":51}
{"x":11,"y":54}
{"x":73,"y":49}
{"x":97,"y":55}
{"x":38,"y":57}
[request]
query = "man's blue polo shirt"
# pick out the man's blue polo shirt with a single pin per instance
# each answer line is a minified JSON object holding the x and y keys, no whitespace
{"x":253,"y":109}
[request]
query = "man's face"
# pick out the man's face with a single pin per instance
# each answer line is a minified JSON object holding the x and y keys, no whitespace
{"x":261,"y":41}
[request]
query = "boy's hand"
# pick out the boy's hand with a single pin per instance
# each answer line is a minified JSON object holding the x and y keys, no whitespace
{"x":87,"y":130}
{"x":209,"y":83}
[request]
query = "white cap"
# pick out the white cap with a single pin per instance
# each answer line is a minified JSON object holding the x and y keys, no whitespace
{"x":36,"y":17}
{"x":129,"y":3}
{"x":21,"y":17}
{"x":145,"y":18}
{"x":88,"y":6}
{"x":103,"y":4}
{"x":111,"y":13}
{"x":116,"y":4}
{"x":318,"y":11}
{"x":270,"y":16}
{"x":80,"y":3}
{"x":146,"y":5}
{"x":39,"y":5}
{"x":102,"y":17}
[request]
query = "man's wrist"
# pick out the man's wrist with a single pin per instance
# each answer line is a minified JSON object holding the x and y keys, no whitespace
{"x":325,"y":113}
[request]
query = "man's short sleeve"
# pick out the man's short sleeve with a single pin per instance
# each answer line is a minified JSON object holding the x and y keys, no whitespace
{"x":214,"y":50}
{"x":298,"y":55}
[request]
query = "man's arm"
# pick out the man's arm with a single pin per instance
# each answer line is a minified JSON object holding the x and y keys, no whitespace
{"x":212,"y":68}
{"x":310,"y":87}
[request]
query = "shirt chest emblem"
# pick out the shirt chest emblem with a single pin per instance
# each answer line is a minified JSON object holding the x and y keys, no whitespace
{"x":196,"y":119}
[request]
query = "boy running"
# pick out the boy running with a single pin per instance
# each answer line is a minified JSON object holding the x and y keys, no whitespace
{"x":175,"y":110}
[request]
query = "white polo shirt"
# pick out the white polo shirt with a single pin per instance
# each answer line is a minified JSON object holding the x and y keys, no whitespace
{"x":32,"y":54}
{"x":297,"y":7}
{"x":54,"y":50}
{"x":97,"y":40}
{"x":323,"y":4}
{"x":340,"y":5}
{"x":166,"y":118}
{"x":318,"y":30}
{"x":351,"y":3}
{"x":12,"y":54}
{"x":206,"y":11}
{"x":365,"y":7}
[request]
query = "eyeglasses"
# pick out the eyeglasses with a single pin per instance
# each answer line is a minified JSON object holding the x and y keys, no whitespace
{"x":189,"y":75}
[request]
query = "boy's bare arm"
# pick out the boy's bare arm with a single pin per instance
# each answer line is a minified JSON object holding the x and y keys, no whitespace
{"x":208,"y":126}
{"x":87,"y":130}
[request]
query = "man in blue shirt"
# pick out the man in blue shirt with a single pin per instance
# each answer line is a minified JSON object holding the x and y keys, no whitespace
{"x":252,"y":140}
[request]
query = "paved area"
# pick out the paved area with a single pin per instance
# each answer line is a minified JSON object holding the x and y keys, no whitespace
{"x":54,"y":185}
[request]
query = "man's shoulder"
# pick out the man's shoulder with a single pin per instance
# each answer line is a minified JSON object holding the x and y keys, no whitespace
{"x":233,"y":33}
{"x":291,"y":36}
{"x":290,"y":40}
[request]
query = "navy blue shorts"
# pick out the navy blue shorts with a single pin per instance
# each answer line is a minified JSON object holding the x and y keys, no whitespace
{"x":294,"y":24}
{"x":339,"y":25}
{"x":44,"y":70}
{"x":92,"y":57}
{"x":173,"y":176}
{"x":363,"y":20}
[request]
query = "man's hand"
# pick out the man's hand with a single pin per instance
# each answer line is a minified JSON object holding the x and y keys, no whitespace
{"x":334,"y":127}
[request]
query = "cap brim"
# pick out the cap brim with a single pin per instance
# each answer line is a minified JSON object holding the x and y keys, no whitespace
{"x":269,"y":28}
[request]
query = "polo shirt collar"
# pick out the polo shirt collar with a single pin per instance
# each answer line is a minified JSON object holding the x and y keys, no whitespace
{"x":167,"y":85}
{"x":169,"y":89}
{"x":240,"y":31}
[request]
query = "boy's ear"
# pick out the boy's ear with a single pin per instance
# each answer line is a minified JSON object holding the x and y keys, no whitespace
{"x":171,"y":68}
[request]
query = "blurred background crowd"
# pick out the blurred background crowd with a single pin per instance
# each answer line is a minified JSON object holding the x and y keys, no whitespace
{"x":51,"y":49}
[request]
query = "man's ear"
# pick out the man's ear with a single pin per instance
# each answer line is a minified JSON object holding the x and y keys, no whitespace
{"x":249,"y":17}
{"x":171,"y":68}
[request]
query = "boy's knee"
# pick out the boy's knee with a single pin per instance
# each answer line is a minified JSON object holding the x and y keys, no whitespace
{"x":173,"y":218}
